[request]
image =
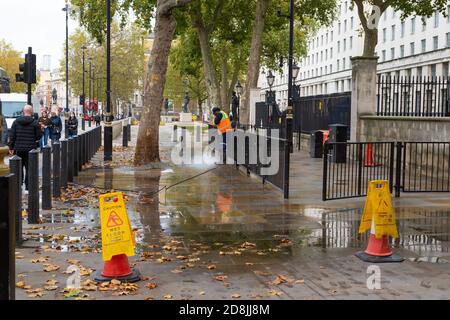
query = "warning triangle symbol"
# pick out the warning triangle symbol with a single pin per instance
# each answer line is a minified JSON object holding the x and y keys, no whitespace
{"x":114,"y":220}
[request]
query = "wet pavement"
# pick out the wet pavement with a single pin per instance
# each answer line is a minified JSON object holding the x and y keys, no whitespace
{"x":211,"y":232}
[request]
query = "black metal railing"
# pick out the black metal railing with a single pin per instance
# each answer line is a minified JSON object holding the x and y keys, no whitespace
{"x":426,"y":167}
{"x":413,"y":96}
{"x":349,"y":166}
{"x":255,"y":139}
{"x":319,"y":112}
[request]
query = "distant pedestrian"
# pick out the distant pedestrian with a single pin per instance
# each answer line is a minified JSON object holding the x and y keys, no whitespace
{"x":56,"y":127}
{"x":97,"y":119}
{"x":73,"y":125}
{"x":45,"y":124}
{"x":25,"y":135}
{"x":3,"y":128}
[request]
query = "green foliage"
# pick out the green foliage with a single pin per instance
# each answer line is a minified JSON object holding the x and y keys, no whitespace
{"x":127,"y":62}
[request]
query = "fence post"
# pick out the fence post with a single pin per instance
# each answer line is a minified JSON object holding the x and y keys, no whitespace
{"x":360,"y":166}
{"x":125,"y":136}
{"x":33,"y":186}
{"x":46,"y":178}
{"x":398,"y":169}
{"x":129,"y":131}
{"x":75,"y":156}
{"x":56,"y":169}
{"x":64,"y":146}
{"x":325,"y":171}
{"x":287,"y":155}
{"x":15,"y":167}
{"x":7,"y":238}
{"x":83,"y":124}
{"x":70,"y":160}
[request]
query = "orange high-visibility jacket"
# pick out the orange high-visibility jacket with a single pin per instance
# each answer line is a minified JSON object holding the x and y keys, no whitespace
{"x":224,"y":124}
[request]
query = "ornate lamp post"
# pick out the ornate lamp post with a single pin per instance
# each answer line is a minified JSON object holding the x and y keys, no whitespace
{"x":108,"y":125}
{"x":239,"y":90}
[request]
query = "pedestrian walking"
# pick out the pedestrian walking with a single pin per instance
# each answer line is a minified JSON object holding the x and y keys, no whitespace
{"x":45,"y":124}
{"x":73,"y":125}
{"x":25,"y":136}
{"x":56,"y":127}
{"x":97,"y":119}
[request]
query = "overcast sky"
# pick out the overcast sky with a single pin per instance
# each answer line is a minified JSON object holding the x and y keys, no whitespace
{"x":40,"y":24}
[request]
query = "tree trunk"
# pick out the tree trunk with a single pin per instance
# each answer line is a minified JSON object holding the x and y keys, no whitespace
{"x":254,"y":59}
{"x":370,"y":42}
{"x":212,"y":86}
{"x":224,"y":84}
{"x":147,"y":146}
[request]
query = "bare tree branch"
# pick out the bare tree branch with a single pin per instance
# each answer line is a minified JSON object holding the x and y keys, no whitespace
{"x":168,"y":5}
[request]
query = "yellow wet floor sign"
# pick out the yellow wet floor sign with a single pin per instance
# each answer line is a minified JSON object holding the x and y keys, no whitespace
{"x":379,"y":208}
{"x":117,"y":236}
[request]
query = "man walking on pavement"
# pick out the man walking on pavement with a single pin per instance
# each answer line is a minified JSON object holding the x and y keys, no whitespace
{"x":24,"y":137}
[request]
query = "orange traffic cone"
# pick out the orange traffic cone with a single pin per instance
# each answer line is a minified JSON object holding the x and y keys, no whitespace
{"x":368,"y":162}
{"x":378,"y":249}
{"x":118,"y":268}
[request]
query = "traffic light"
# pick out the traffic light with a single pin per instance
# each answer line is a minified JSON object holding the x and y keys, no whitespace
{"x":82,"y":100}
{"x":27,"y":69}
{"x":20,"y":77}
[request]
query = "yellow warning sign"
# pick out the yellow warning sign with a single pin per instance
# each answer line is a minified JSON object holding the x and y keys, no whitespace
{"x":379,"y":208}
{"x":117,"y":236}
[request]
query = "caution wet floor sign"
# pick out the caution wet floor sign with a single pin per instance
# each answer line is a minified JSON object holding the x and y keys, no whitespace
{"x":117,"y":236}
{"x":378,"y":208}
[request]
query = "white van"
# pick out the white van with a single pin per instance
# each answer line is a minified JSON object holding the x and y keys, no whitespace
{"x":12,"y":106}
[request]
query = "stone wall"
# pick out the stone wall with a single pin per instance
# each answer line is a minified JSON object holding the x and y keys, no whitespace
{"x":375,"y":128}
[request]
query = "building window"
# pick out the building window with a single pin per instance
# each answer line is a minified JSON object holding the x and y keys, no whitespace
{"x":331,"y":53}
{"x":384,"y":35}
{"x":339,"y":46}
{"x":433,"y":70}
{"x":345,"y":26}
{"x":326,"y":69}
{"x":392,"y":53}
{"x":419,"y":72}
{"x":435,"y":42}
{"x":424,"y":23}
{"x":326,"y":54}
{"x":448,"y":39}
{"x":332,"y":35}
{"x":326,"y":38}
{"x":413,"y":25}
{"x":445,"y":71}
{"x":345,"y":44}
{"x":343,"y":63}
{"x":393,"y":33}
{"x":402,"y":29}
{"x":351,"y":43}
{"x":352,"y":21}
{"x":383,"y":55}
{"x":424,"y":45}
{"x":413,"y":48}
{"x":339,"y":28}
{"x":321,"y":56}
{"x":338,"y":65}
{"x":321,"y":40}
{"x":436,"y":19}
{"x":331,"y":68}
{"x":402,"y":51}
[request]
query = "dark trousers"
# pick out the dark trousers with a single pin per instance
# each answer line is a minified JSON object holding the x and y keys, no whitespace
{"x":24,"y":156}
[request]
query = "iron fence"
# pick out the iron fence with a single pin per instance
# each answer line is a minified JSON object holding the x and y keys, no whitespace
{"x":348,"y":167}
{"x":413,"y":96}
{"x":426,"y":167}
{"x":319,"y":112}
{"x":255,"y":139}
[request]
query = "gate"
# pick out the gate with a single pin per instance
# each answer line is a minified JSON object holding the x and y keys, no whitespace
{"x":348,"y":167}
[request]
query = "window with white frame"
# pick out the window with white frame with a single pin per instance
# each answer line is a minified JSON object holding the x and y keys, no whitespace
{"x":435,"y":42}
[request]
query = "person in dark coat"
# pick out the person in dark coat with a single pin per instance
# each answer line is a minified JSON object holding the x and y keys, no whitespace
{"x":97,"y":119}
{"x":24,"y":137}
{"x":44,"y":123}
{"x":73,"y":125}
{"x":56,"y":128}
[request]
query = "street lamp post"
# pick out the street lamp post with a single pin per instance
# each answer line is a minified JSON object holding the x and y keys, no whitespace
{"x":66,"y":9}
{"x":90,"y":90}
{"x":270,"y":95}
{"x":83,"y":125}
{"x":239,"y":90}
{"x":108,"y":124}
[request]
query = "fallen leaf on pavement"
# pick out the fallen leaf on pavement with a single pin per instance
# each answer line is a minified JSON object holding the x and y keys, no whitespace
{"x":262,"y":273}
{"x":168,"y":297}
{"x":151,"y":285}
{"x":300,"y":281}
{"x":220,"y":278}
{"x":249,"y":263}
{"x":40,"y":260}
{"x":50,"y":267}
{"x":248,"y":245}
{"x":176,"y":271}
{"x":275,"y":293}
{"x":211,"y":267}
{"x":202,"y":293}
{"x":235,"y":295}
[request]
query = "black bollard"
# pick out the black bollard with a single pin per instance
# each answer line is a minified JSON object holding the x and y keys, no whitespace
{"x":66,"y":129}
{"x":83,"y":124}
{"x":70,"y":160}
{"x":90,"y":122}
{"x":7,"y":238}
{"x":175,"y":134}
{"x":82,"y":150}
{"x":56,"y":169}
{"x":64,"y":173}
{"x":129,"y":132}
{"x":75,"y":156}
{"x":46,"y":178}
{"x":125,"y":136}
{"x":33,"y":187}
{"x":15,"y":167}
